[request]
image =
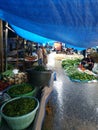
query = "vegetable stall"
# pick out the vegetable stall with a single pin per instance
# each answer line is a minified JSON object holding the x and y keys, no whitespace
{"x":71,"y":67}
{"x":16,"y":83}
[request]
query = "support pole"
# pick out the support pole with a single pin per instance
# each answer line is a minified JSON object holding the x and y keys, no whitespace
{"x":1,"y":48}
{"x":6,"y":45}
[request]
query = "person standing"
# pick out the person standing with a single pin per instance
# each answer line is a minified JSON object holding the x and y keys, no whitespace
{"x":44,"y":56}
{"x":40,"y":55}
{"x":84,"y":53}
{"x":88,"y":62}
{"x":29,"y":49}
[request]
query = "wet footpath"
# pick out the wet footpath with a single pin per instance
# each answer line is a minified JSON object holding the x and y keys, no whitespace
{"x":71,"y":105}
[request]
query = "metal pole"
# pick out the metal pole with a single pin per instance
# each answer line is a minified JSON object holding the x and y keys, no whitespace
{"x":1,"y":48}
{"x":6,"y":45}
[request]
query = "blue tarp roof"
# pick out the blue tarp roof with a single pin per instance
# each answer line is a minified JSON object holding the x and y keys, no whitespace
{"x":67,"y":21}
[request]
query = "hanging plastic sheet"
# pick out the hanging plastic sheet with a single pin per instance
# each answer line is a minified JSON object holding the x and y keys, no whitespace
{"x":72,"y":21}
{"x":30,"y":36}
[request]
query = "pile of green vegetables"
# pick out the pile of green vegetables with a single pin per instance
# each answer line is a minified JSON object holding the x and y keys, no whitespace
{"x":70,"y":66}
{"x":19,"y":89}
{"x":82,"y":76}
{"x":8,"y":73}
{"x":40,"y":68}
{"x":69,"y":62}
{"x":19,"y":107}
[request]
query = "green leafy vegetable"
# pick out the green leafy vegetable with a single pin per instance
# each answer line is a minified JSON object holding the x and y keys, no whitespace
{"x":19,"y":107}
{"x":20,"y":89}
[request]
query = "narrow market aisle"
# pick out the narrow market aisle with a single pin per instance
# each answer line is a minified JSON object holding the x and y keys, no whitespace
{"x":71,"y":105}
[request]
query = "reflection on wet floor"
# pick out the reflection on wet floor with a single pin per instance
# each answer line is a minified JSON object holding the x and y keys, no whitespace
{"x":71,"y":106}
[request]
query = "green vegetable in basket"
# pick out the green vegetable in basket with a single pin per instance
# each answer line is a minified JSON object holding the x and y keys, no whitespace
{"x":19,"y":107}
{"x":20,"y":89}
{"x":40,"y":68}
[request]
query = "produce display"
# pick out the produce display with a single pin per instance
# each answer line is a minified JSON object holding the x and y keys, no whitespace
{"x":40,"y":68}
{"x":67,"y":63}
{"x":19,"y":107}
{"x":31,"y":58}
{"x":19,"y":112}
{"x":82,"y":76}
{"x":21,"y":77}
{"x":71,"y":68}
{"x":8,"y":73}
{"x":12,"y":78}
{"x":20,"y":89}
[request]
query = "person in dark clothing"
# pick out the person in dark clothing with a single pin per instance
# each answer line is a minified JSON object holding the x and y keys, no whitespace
{"x":84,"y":53}
{"x":97,"y":50}
{"x":88,"y":62}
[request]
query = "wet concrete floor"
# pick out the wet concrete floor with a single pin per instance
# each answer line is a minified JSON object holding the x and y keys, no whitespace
{"x":71,"y":105}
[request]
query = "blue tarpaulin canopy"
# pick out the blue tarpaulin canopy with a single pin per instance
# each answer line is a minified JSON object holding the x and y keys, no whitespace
{"x":67,"y":21}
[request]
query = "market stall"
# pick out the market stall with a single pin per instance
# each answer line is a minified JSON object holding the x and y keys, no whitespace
{"x":43,"y":97}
